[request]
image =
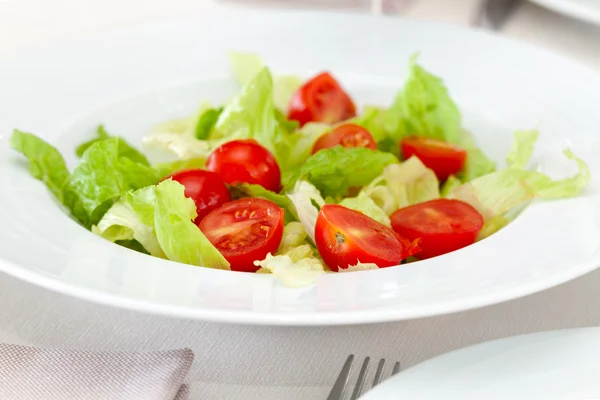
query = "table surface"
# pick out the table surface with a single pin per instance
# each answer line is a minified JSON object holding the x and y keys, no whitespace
{"x":244,"y":362}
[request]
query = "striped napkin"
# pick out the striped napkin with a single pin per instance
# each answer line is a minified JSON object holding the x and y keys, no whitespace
{"x":51,"y":374}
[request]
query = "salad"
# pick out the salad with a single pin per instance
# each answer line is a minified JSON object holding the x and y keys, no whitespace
{"x":288,"y":178}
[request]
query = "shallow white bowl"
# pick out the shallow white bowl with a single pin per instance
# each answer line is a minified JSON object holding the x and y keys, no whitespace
{"x":130,"y":79}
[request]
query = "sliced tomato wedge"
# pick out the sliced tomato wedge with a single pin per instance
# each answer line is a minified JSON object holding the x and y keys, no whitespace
{"x":443,"y":158}
{"x":346,"y":135}
{"x":345,"y":237}
{"x":204,"y":187}
{"x":244,"y":231}
{"x":245,"y":161}
{"x":321,"y":99}
{"x":443,"y":225}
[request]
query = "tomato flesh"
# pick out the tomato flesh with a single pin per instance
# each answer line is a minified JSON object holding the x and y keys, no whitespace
{"x":345,"y":237}
{"x":346,"y":135}
{"x":443,"y":158}
{"x":245,"y":161}
{"x":321,"y":99}
{"x":204,"y":187}
{"x":443,"y":225}
{"x":244,"y":231}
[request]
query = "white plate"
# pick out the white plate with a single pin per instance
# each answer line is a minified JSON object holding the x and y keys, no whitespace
{"x":585,"y":10}
{"x":558,"y":365}
{"x":130,"y":79}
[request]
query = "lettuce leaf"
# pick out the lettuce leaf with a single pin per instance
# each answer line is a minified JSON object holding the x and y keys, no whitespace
{"x":179,"y":237}
{"x":359,"y":267}
{"x":296,"y":263}
{"x":168,"y":168}
{"x":308,"y":201}
{"x":125,"y":149}
{"x":103,"y":175}
{"x":122,"y":223}
{"x":521,"y":149}
{"x":45,"y":161}
{"x":248,"y":190}
{"x":498,"y":194}
{"x":367,"y":206}
{"x":294,"y":236}
{"x":246,"y":65}
{"x":335,"y":170}
{"x":424,"y":108}
{"x":449,"y":185}
{"x":184,"y":147}
{"x":478,"y":164}
{"x":300,"y":273}
{"x":160,"y":219}
{"x":206,"y":122}
{"x":250,"y":114}
{"x":402,"y":185}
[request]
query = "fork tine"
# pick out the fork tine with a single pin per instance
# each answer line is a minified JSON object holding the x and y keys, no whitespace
{"x":378,"y":372}
{"x":396,"y":368}
{"x":339,"y":387}
{"x":361,"y":379}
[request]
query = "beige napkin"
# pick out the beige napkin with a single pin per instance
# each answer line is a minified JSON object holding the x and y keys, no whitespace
{"x":32,"y":373}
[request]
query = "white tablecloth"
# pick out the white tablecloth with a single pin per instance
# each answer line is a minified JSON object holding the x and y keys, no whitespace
{"x":241,"y":362}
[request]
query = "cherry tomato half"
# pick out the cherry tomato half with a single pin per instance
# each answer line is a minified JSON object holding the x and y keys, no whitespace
{"x":245,"y":230}
{"x":245,"y":161}
{"x":321,"y":99}
{"x":443,"y":225}
{"x":346,"y":135}
{"x":443,"y":158}
{"x":204,"y":187}
{"x":344,"y":237}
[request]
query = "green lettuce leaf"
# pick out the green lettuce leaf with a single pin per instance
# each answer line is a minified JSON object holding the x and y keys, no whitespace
{"x":294,"y":236}
{"x":100,"y":135}
{"x":283,"y":201}
{"x":498,"y":194}
{"x":166,"y":169}
{"x":293,"y":271}
{"x":160,"y":219}
{"x":245,"y":67}
{"x":373,"y":119}
{"x":45,"y":161}
{"x":335,"y":170}
{"x":206,"y":122}
{"x":184,"y":147}
{"x":179,"y":237}
{"x":367,"y":206}
{"x":103,"y":175}
{"x":402,"y":185}
{"x":125,"y":149}
{"x":449,"y":185}
{"x":423,"y":108}
{"x":121,"y":223}
{"x":521,"y":149}
{"x":308,"y":201}
{"x":478,"y":164}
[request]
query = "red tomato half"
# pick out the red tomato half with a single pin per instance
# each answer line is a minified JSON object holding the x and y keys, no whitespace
{"x":346,"y":135}
{"x":443,"y":225}
{"x":245,"y":161}
{"x":344,"y":237}
{"x":321,"y":99}
{"x":443,"y":158}
{"x":204,"y":187}
{"x":245,"y":230}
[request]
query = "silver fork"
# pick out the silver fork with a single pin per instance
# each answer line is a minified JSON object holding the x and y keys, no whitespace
{"x":341,"y":383}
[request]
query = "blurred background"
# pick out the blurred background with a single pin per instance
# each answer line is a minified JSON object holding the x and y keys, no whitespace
{"x":571,"y":27}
